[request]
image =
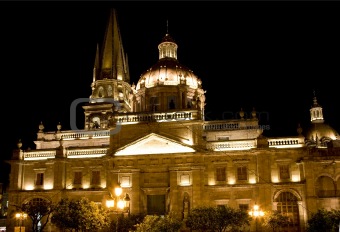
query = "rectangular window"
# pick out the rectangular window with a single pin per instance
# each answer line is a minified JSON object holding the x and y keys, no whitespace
{"x":242,"y":173}
{"x":77,"y":177}
{"x":244,"y":207}
{"x":40,"y":179}
{"x":189,"y":103}
{"x":95,"y":178}
{"x":221,"y":174}
{"x":185,"y":179}
{"x":125,"y":181}
{"x":171,"y":102}
{"x":156,"y":204}
{"x":284,"y":172}
{"x":154,"y":104}
{"x":223,"y":138}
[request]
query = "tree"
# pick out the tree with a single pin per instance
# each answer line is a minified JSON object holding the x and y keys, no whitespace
{"x":93,"y":217}
{"x":240,"y":219}
{"x":39,"y":211}
{"x":219,"y":219}
{"x":125,"y":224}
{"x":275,"y":220}
{"x":155,"y":223}
{"x":80,"y":215}
{"x":324,"y":220}
{"x":66,"y":215}
{"x":201,"y":218}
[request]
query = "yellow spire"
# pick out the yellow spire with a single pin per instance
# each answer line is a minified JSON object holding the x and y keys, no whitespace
{"x":113,"y":63}
{"x":96,"y":65}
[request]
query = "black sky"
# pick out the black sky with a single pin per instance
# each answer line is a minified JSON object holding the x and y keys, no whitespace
{"x":267,"y":55}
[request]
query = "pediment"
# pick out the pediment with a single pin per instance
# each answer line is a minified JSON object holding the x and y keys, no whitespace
{"x":153,"y":144}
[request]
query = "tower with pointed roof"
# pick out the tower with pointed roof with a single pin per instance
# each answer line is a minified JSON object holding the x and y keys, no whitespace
{"x":111,"y":90}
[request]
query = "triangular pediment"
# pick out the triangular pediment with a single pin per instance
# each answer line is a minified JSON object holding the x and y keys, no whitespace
{"x":153,"y":144}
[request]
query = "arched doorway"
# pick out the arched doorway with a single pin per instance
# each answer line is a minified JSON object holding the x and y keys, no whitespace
{"x":287,"y":204}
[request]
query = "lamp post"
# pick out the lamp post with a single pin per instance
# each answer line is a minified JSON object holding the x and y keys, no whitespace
{"x":118,"y":205}
{"x":256,"y":213}
{"x":21,"y":217}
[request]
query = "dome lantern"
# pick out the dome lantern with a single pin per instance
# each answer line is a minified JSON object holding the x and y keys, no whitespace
{"x":167,"y":48}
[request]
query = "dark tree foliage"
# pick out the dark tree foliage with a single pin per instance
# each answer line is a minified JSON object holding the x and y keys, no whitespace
{"x":275,"y":220}
{"x":125,"y":224}
{"x":324,"y":220}
{"x":66,"y":215}
{"x":217,"y":219}
{"x":156,"y":223}
{"x":80,"y":215}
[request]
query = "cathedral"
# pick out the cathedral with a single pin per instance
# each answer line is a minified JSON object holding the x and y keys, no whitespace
{"x":151,"y":139}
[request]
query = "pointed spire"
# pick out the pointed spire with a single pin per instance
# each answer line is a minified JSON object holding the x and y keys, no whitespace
{"x":127,"y":69}
{"x":113,"y":63}
{"x":96,"y":65}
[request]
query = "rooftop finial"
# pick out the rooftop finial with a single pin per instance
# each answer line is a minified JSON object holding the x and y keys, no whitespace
{"x":315,"y":101}
{"x":167,"y":27}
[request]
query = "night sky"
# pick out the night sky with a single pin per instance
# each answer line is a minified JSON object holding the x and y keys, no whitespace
{"x":267,"y":55}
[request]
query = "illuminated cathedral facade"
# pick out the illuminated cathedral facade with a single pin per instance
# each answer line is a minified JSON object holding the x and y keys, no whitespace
{"x":152,"y":139}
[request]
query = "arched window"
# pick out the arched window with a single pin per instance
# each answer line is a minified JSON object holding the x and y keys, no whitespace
{"x":101,"y":92}
{"x":287,"y":205}
{"x":325,"y":187}
{"x":109,"y":91}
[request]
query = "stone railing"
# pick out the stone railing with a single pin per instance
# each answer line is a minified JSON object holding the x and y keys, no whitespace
{"x":86,"y":153}
{"x":221,"y":126}
{"x":84,"y":134}
{"x":38,"y":155}
{"x":251,"y":124}
{"x":158,"y":117}
{"x":70,"y":153}
{"x":286,"y":142}
{"x":71,"y":135}
{"x":231,"y":145}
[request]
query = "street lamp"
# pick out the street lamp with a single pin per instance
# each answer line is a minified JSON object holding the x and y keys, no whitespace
{"x":256,"y":212}
{"x":21,"y":217}
{"x":118,"y":205}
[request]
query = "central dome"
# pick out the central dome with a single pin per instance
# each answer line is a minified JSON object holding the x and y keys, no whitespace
{"x":168,"y":71}
{"x":169,"y":86}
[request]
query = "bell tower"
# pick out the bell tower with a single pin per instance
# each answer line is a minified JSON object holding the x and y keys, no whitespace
{"x":111,"y":91}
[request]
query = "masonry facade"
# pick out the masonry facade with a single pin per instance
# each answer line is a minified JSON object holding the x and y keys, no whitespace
{"x":152,"y":140}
